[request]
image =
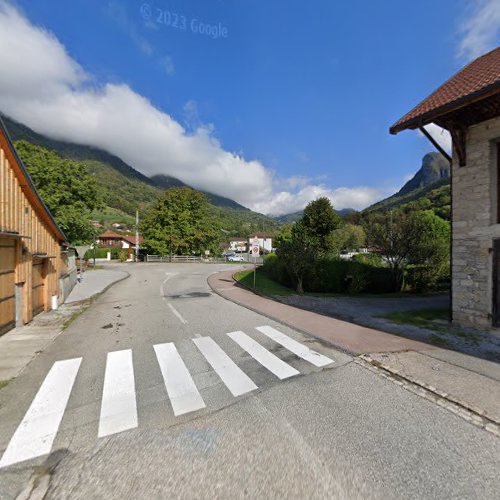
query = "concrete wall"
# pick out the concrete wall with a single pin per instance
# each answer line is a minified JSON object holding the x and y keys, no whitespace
{"x":475,"y":226}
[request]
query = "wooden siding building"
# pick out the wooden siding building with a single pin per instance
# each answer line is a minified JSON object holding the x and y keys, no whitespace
{"x":34,"y":254}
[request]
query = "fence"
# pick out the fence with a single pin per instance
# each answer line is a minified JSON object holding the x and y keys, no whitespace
{"x":173,"y":258}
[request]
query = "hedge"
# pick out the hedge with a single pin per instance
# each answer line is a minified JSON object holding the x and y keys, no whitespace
{"x":335,"y":276}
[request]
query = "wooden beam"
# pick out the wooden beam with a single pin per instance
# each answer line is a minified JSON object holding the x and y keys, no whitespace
{"x":435,"y":144}
{"x":458,"y":135}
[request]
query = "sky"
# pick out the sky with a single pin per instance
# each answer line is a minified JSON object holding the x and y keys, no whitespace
{"x":272,"y":103}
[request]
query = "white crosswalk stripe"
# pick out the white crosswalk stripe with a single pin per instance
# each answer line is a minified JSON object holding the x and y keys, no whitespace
{"x":297,"y":348}
{"x":267,"y":359}
{"x":229,"y":372}
{"x":118,"y":407}
{"x":36,"y":432}
{"x":181,"y":389}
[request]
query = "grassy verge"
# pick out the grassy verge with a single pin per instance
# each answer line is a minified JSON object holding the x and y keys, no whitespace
{"x":262,"y":283}
{"x":424,"y":318}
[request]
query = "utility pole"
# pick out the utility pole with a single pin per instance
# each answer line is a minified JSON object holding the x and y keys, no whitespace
{"x":136,"y":235}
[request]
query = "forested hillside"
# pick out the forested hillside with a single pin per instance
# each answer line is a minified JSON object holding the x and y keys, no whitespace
{"x":123,"y":189}
{"x":429,"y":189}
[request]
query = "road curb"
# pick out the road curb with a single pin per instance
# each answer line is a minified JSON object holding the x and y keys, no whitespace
{"x":462,"y":408}
{"x":104,"y":290}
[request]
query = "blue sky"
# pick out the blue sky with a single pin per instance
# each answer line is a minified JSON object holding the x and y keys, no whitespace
{"x":299,"y":95}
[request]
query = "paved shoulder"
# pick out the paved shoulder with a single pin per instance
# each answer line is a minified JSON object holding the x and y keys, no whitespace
{"x":94,"y":282}
{"x":347,"y":336}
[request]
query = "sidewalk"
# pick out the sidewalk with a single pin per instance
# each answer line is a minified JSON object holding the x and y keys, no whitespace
{"x":466,"y":382}
{"x":19,"y":346}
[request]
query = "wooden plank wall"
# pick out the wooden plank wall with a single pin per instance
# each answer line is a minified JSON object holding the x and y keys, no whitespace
{"x":17,"y":215}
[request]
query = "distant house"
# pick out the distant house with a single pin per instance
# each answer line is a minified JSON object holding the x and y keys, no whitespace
{"x":96,"y":224}
{"x":468,"y":106}
{"x":238,"y":244}
{"x":37,"y":266}
{"x":265,"y":241}
{"x":112,"y":239}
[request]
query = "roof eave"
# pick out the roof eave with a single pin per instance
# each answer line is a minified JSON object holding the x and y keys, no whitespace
{"x":430,"y":116}
{"x":31,"y":185}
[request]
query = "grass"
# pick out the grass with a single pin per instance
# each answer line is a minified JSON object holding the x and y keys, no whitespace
{"x":424,"y":318}
{"x":3,"y":383}
{"x":262,"y":283}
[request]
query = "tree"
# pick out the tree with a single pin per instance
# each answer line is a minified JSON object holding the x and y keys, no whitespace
{"x":301,"y":244}
{"x":298,"y":253}
{"x":179,"y":223}
{"x":319,"y":220}
{"x":347,"y":237}
{"x":419,"y":238}
{"x":67,"y":189}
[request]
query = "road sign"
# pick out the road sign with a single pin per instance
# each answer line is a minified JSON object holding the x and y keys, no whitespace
{"x":255,"y":245}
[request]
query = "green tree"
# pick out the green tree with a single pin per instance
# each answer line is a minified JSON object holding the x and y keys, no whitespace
{"x":179,"y":222}
{"x":298,"y":254}
{"x":319,"y":220}
{"x":347,"y":237}
{"x":67,"y":189}
{"x":299,"y":245}
{"x":418,"y":238}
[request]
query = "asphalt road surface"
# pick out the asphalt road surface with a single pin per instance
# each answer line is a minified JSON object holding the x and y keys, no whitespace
{"x":162,"y":389}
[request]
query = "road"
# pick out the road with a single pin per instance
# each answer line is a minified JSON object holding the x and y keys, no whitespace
{"x":146,"y":395}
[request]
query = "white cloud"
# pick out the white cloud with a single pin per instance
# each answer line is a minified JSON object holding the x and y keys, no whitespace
{"x":285,"y":202}
{"x":43,"y":87}
{"x":480,"y":30}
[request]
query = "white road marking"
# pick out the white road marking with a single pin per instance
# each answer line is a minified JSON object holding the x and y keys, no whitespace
{"x":118,"y":407}
{"x":297,"y":348}
{"x":229,"y":372}
{"x":267,"y":359}
{"x":177,"y":313}
{"x":182,"y":391}
{"x":38,"y":429}
{"x":162,"y":290}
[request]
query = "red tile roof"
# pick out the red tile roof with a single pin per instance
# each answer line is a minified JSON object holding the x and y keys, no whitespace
{"x":110,"y":234}
{"x":478,"y":79}
{"x":131,"y":239}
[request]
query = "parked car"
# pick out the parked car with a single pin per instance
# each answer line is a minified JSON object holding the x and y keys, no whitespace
{"x":236,"y":258}
{"x":229,"y":254}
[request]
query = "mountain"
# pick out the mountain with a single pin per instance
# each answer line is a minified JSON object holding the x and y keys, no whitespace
{"x":428,"y":189}
{"x":434,"y":168}
{"x":167,"y":182}
{"x":295,"y":216}
{"x":125,"y":190}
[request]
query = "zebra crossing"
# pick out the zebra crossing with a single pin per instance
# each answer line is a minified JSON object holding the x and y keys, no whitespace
{"x":38,"y":429}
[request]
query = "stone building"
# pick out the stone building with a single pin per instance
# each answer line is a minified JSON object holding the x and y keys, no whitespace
{"x":468,"y":106}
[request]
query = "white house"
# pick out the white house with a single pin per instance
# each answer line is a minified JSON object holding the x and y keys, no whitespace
{"x":265,"y":241}
{"x":238,"y":244}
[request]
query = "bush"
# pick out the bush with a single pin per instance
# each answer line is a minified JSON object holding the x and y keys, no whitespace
{"x":425,"y":278}
{"x":275,"y":268}
{"x":102,"y":253}
{"x":335,"y":276}
{"x":372,"y":259}
{"x":122,"y":255}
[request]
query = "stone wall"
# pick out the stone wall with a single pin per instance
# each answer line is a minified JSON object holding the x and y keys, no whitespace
{"x":475,"y":226}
